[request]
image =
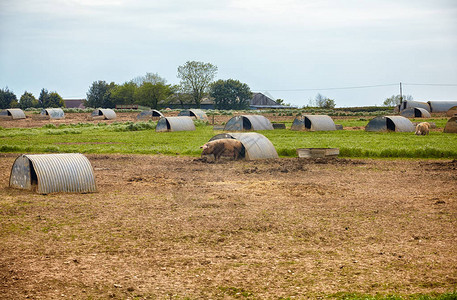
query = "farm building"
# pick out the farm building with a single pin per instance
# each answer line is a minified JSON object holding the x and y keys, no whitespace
{"x":53,"y":113}
{"x":451,"y":125}
{"x":75,"y":103}
{"x":415,"y":112}
{"x":182,"y":123}
{"x":248,"y":122}
{"x":12,"y":114}
{"x":390,"y":123}
{"x":52,"y":173}
{"x":441,"y":106}
{"x":103,"y":113}
{"x":196,"y":113}
{"x":313,"y":123}
{"x":256,"y":145}
{"x":149,"y":114}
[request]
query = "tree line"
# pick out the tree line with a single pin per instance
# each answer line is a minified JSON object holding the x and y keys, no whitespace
{"x":46,"y":99}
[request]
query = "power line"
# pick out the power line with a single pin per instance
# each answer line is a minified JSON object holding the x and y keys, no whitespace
{"x":432,"y":84}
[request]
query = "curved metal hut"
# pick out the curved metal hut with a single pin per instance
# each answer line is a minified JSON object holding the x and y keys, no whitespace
{"x":415,"y":112}
{"x":52,"y":173}
{"x":175,"y":124}
{"x":248,"y":122}
{"x":104,"y":113}
{"x":53,"y":113}
{"x":196,"y":113}
{"x":452,"y":111}
{"x":438,"y":106}
{"x":149,"y":114}
{"x":411,"y":104}
{"x":451,"y":125}
{"x":390,"y":123}
{"x":12,"y":114}
{"x":256,"y":145}
{"x":313,"y":123}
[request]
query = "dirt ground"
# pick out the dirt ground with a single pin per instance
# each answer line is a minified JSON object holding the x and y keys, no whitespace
{"x":163,"y":227}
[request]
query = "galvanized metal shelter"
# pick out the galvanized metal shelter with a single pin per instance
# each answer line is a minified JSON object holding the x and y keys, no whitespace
{"x":390,"y":123}
{"x":53,"y":173}
{"x":104,"y":113}
{"x":256,"y":145}
{"x":248,"y":122}
{"x":451,"y":125}
{"x":175,"y":124}
{"x":149,"y":114}
{"x":411,"y":104}
{"x":440,"y":106}
{"x":53,"y":113}
{"x":452,"y":111}
{"x":12,"y":114}
{"x":196,"y":113}
{"x":415,"y":112}
{"x":313,"y":123}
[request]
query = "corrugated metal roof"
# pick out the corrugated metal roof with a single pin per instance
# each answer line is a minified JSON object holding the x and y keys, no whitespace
{"x":451,"y":125}
{"x":411,"y":104}
{"x":107,"y":113}
{"x":13,"y":113}
{"x":256,"y":145}
{"x":197,"y":113}
{"x":175,"y":124}
{"x":438,"y":106}
{"x":149,"y":114}
{"x":415,"y":113}
{"x":53,"y":113}
{"x":248,"y":122}
{"x":68,"y":172}
{"x":390,"y":123}
{"x":313,"y":123}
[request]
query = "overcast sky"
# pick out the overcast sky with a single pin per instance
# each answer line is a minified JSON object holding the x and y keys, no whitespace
{"x":288,"y":48}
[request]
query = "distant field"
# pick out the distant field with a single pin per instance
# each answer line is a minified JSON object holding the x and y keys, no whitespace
{"x":141,"y":138}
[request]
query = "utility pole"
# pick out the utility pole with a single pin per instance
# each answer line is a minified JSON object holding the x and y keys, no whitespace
{"x":401,"y":95}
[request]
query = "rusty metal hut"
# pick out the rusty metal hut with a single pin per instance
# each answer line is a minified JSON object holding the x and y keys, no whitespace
{"x":103,"y":113}
{"x":196,"y":113}
{"x":416,"y":112}
{"x":313,"y":123}
{"x":452,"y":111}
{"x":451,"y":125}
{"x":390,"y":123}
{"x":149,"y":114}
{"x":175,"y":124}
{"x":440,"y":106}
{"x":411,"y":104}
{"x":256,"y":145}
{"x":248,"y":122}
{"x":52,"y":113}
{"x":12,"y":114}
{"x":52,"y":173}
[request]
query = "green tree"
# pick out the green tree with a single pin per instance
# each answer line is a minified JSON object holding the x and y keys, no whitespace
{"x":55,"y":100}
{"x":28,"y":100}
{"x":99,"y":95}
{"x":195,"y":78}
{"x":153,"y":78}
{"x":322,"y":102}
{"x":395,"y":100}
{"x":151,"y":94}
{"x":43,"y":98}
{"x":7,"y":98}
{"x":124,"y":94}
{"x":230,"y":94}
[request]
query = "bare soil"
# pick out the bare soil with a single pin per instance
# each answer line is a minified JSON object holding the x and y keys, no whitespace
{"x":163,"y":227}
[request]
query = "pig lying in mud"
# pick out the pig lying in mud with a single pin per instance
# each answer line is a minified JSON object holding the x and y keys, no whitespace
{"x":422,"y":128}
{"x":222,"y":147}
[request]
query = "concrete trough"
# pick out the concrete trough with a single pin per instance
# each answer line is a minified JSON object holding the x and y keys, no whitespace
{"x":256,"y":146}
{"x":53,"y":173}
{"x":12,"y":114}
{"x":317,"y":152}
{"x":175,"y":124}
{"x":103,"y":114}
{"x":390,"y":123}
{"x":149,"y":114}
{"x":313,"y":123}
{"x":52,"y":113}
{"x":195,"y":113}
{"x":451,"y":125}
{"x":247,"y":123}
{"x":415,"y":112}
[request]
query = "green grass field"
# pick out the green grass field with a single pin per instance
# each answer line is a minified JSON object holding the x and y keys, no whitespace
{"x":141,"y":138}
